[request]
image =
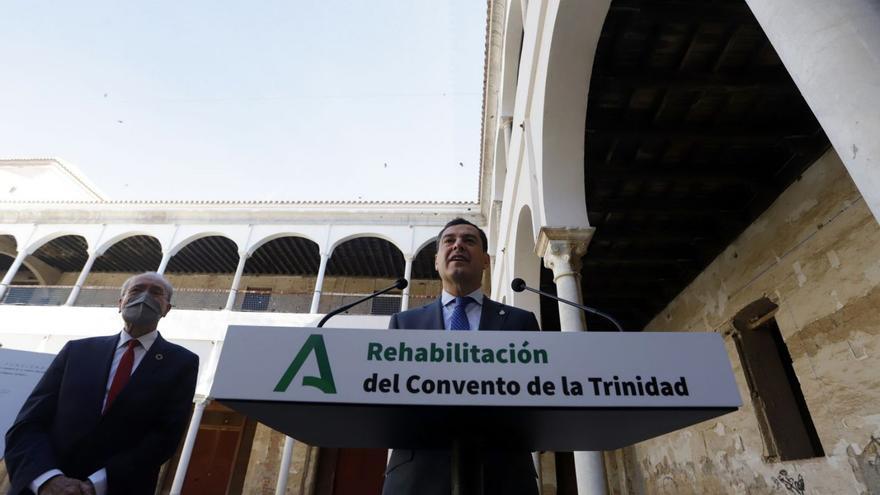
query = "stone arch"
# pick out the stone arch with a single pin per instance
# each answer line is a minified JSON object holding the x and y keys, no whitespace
{"x":210,"y":254}
{"x":526,"y":264}
{"x":376,"y":235}
{"x":132,"y":253}
{"x":8,"y":252}
{"x":280,"y":256}
{"x":358,"y":266}
{"x":202,"y":271}
{"x":61,"y":258}
{"x":180,"y":245}
{"x":423,"y":261}
{"x":255,"y":246}
{"x":122,"y":236}
{"x":513,"y":35}
{"x":559,"y":151}
{"x":379,"y":262}
{"x":40,"y":242}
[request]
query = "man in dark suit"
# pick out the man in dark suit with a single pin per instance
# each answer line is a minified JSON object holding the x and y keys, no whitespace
{"x":462,"y":256}
{"x":109,"y":410}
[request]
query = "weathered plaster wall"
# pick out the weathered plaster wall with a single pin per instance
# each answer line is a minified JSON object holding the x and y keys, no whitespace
{"x":265,"y":459}
{"x":815,"y":253}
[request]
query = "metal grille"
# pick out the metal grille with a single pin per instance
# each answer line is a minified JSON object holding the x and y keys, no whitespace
{"x":386,"y":305}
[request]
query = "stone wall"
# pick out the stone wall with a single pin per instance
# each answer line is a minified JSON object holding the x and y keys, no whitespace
{"x":816,"y":253}
{"x":265,"y":459}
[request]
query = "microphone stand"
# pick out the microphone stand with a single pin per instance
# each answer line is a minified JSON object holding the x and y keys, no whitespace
{"x":401,"y":283}
{"x":519,"y":285}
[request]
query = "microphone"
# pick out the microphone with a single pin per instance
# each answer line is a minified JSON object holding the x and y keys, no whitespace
{"x":400,"y":283}
{"x":519,"y":285}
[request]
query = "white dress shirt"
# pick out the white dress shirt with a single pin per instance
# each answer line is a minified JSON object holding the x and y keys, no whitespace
{"x":473,"y":310}
{"x":99,"y":477}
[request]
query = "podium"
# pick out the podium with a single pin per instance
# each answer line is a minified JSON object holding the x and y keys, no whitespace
{"x":425,"y":388}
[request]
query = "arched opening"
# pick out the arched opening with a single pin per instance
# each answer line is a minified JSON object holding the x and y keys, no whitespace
{"x":202,"y":273}
{"x":358,"y":267}
{"x":425,"y":285}
{"x":59,"y":263}
{"x":8,"y":252}
{"x":693,"y":128}
{"x":526,"y":264}
{"x":127,"y":257}
{"x":280,"y":276}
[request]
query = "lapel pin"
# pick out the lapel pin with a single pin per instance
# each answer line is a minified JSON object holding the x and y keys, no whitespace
{"x":159,"y":357}
{"x":501,"y":312}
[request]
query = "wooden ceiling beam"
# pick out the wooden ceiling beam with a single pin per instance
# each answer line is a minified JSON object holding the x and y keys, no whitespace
{"x":773,"y":81}
{"x":684,"y":11}
{"x":725,"y":175}
{"x":711,"y":135}
{"x":685,"y":207}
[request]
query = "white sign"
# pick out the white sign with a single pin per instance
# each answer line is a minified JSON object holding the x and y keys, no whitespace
{"x":19,"y":373}
{"x":486,"y":368}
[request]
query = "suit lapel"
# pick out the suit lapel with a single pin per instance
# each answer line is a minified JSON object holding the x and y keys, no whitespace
{"x":492,"y":316}
{"x":435,"y":316}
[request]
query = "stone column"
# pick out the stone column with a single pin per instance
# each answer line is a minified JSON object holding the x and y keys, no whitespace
{"x":236,"y":281}
{"x":319,"y":283}
{"x":562,"y":249}
{"x":289,"y":442}
{"x":166,"y":257}
{"x":284,"y":469}
{"x":831,"y":50}
{"x":188,"y":444}
{"x":407,"y":274}
{"x":83,"y":274}
{"x":10,"y":274}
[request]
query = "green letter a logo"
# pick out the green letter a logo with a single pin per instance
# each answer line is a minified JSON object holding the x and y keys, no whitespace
{"x":315,"y":343}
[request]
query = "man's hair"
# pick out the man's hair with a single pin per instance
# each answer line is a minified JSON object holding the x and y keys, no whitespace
{"x":462,"y":221}
{"x":169,"y":289}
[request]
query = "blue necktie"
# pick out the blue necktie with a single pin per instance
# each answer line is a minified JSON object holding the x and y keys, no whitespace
{"x":459,"y":320}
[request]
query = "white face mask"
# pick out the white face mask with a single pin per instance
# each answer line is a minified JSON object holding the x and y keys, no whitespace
{"x":142,"y":310}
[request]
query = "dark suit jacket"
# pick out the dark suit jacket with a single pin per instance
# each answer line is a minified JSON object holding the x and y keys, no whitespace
{"x":429,"y":472}
{"x":61,"y":426}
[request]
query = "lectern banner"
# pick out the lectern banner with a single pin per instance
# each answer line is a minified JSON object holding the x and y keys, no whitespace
{"x":485,"y":368}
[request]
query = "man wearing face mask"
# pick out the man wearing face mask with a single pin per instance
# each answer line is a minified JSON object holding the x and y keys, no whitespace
{"x":109,"y":411}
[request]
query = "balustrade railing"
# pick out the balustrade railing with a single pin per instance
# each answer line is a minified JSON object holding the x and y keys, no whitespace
{"x":416,"y":301}
{"x":214,"y":299}
{"x":98,"y":297}
{"x":207,"y":299}
{"x":37,"y":295}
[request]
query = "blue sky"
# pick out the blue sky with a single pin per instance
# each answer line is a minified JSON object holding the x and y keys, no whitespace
{"x":296,"y":100}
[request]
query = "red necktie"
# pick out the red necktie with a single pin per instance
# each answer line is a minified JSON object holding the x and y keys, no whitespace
{"x":123,"y":373}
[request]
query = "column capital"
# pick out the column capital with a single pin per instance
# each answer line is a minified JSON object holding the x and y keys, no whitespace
{"x":555,"y":239}
{"x":561,"y":248}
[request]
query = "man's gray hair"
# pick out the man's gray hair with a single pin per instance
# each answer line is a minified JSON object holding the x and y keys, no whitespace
{"x":169,"y":289}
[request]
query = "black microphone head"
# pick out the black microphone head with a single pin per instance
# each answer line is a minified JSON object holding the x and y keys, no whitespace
{"x":518,"y":285}
{"x":401,"y":283}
